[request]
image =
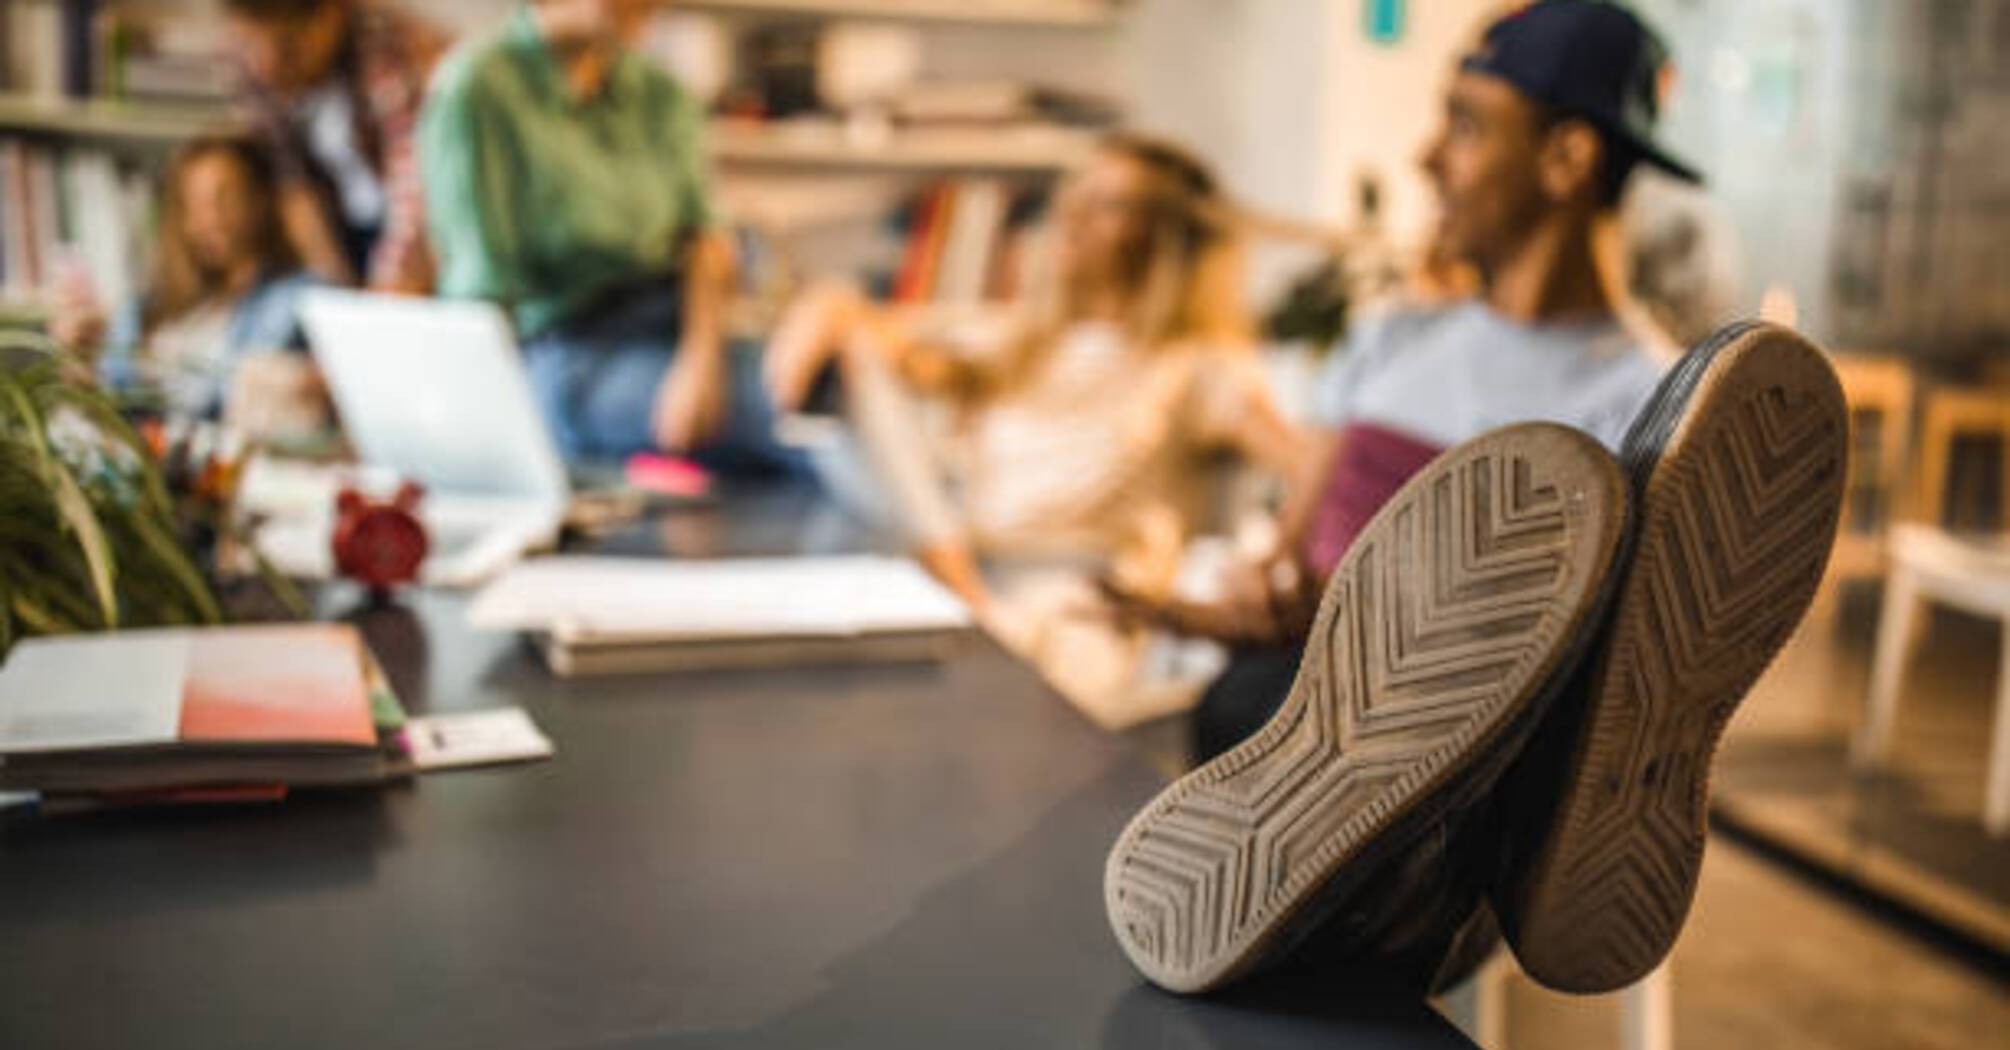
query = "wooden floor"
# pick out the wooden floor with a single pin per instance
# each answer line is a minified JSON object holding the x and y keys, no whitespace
{"x":1909,"y":831}
{"x":1768,"y":963}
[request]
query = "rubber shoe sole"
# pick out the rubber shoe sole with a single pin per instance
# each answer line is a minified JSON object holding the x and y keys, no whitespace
{"x":1737,"y":465}
{"x":1442,"y":635}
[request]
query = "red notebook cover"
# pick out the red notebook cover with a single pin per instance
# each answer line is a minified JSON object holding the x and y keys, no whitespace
{"x":289,"y":683}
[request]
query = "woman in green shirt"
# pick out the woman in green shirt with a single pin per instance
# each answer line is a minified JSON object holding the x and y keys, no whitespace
{"x":564,"y":178}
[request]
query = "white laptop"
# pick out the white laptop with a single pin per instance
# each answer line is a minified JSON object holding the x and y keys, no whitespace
{"x":428,"y":391}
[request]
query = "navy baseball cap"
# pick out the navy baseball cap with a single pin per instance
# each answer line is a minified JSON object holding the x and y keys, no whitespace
{"x":1587,"y":59}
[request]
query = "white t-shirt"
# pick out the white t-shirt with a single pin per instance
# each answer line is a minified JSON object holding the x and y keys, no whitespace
{"x":1446,"y":374}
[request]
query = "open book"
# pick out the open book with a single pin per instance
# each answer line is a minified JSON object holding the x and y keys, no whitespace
{"x":293,"y":704}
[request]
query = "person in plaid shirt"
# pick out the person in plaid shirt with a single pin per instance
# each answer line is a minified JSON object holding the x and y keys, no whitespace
{"x":335,"y":88}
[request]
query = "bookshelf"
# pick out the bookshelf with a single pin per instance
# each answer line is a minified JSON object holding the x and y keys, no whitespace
{"x":1086,"y":14}
{"x":828,"y":147}
{"x":137,"y":122}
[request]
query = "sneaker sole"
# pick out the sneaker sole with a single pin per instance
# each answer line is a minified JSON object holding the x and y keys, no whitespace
{"x":1738,"y":471}
{"x":1441,"y":633}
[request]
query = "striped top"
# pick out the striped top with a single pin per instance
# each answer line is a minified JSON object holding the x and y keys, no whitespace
{"x":1102,"y":434}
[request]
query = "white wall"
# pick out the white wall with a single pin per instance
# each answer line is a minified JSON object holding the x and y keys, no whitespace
{"x":1238,"y":82}
{"x":1295,"y":104}
{"x":1383,"y":101}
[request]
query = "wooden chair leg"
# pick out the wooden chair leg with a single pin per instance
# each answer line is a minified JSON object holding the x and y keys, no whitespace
{"x":1887,"y":666}
{"x":1936,"y":448}
{"x":2003,"y":482}
{"x":1996,"y":804}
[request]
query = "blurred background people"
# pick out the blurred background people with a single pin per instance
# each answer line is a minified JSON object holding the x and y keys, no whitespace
{"x":565,"y":177}
{"x":1684,"y":261}
{"x":1543,"y":124}
{"x":1080,"y":418}
{"x":223,"y":286}
{"x":335,"y":87}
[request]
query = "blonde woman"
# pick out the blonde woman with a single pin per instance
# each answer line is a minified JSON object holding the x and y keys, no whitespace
{"x":223,"y":287}
{"x":1076,"y":423}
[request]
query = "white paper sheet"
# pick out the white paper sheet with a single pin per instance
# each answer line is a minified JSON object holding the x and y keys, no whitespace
{"x":475,"y":738}
{"x":581,"y":598}
{"x":99,"y":690}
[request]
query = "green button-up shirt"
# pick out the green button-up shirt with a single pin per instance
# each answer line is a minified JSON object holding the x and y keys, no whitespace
{"x":542,"y":200}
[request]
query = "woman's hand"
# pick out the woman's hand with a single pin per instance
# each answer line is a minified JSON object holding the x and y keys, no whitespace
{"x":76,"y":320}
{"x":1267,"y":602}
{"x":691,"y":402}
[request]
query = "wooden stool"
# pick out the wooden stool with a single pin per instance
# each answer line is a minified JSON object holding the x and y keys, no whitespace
{"x":1931,"y":564}
{"x":1880,"y":385}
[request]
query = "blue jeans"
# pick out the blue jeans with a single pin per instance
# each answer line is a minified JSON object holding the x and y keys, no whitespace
{"x":596,"y":380}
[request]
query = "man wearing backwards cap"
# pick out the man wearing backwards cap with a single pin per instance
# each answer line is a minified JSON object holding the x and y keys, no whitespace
{"x":1543,"y":122}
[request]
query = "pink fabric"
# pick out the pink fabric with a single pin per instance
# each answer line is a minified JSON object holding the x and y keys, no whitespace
{"x":1373,"y":462}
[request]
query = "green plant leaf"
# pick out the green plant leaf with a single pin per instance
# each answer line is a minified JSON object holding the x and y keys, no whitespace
{"x":37,"y":619}
{"x":83,"y":523}
{"x":30,"y":423}
{"x":172,"y":558}
{"x":276,"y":581}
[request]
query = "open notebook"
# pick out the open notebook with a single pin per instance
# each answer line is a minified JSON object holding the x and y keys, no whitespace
{"x":131,"y":710}
{"x":595,"y":615}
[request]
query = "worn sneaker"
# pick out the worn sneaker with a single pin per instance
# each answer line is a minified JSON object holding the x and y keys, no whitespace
{"x":1444,"y":633}
{"x":1736,"y":465}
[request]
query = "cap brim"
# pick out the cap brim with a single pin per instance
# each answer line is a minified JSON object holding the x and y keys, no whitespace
{"x":1649,"y":153}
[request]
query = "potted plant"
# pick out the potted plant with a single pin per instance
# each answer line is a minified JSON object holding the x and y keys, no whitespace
{"x":89,"y":533}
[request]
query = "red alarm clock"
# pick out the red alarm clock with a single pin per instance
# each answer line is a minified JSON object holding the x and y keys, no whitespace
{"x":379,"y":545}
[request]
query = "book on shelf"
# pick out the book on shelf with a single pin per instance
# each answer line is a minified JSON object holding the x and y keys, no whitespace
{"x":916,"y":279}
{"x":19,"y":266}
{"x":89,"y":49}
{"x":35,"y":52}
{"x":976,"y":223}
{"x":70,"y":208}
{"x":158,"y":59}
{"x":962,"y":240}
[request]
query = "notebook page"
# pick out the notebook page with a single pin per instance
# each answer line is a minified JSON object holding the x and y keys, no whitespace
{"x":86,"y":691}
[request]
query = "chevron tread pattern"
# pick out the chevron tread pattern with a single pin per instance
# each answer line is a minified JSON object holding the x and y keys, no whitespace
{"x":1737,"y":522}
{"x":1442,"y":624}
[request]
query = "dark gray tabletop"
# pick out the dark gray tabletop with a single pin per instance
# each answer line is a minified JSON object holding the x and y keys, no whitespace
{"x":870,"y":856}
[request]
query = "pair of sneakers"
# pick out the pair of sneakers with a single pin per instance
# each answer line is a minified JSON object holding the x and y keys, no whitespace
{"x":1510,"y":698}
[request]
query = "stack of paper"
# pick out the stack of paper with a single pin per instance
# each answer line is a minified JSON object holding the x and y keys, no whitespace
{"x":594,"y":615}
